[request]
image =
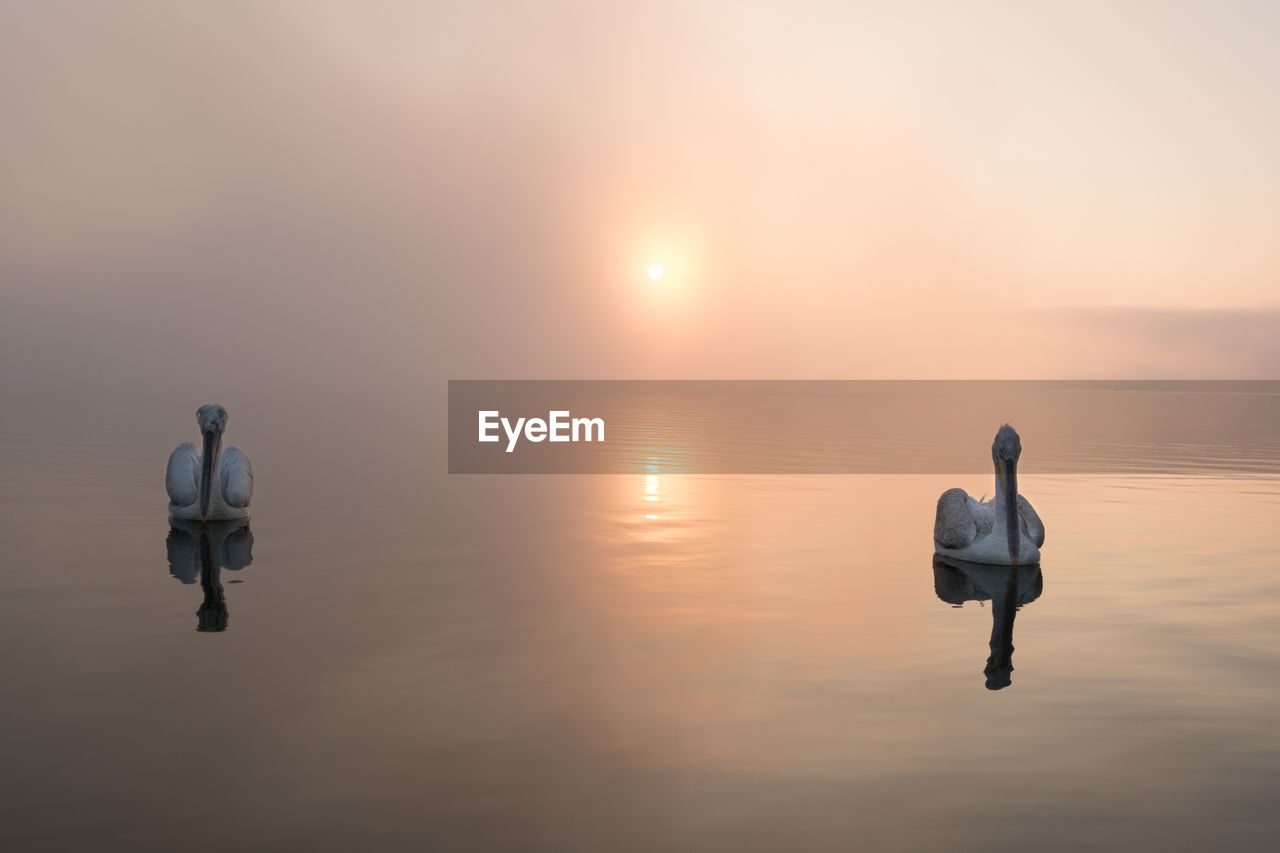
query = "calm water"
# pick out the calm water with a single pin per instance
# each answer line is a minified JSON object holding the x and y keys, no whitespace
{"x":617,"y":662}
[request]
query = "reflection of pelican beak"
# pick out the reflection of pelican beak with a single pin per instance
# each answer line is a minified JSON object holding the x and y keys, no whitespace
{"x":208,"y":464}
{"x":1013,"y":532}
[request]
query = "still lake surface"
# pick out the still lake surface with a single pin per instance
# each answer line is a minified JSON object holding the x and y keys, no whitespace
{"x":619,"y":662}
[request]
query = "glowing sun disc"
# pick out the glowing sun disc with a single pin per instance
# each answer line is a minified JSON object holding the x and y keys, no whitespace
{"x":655,"y":272}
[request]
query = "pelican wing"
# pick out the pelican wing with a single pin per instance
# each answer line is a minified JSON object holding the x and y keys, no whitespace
{"x":1032,"y":526}
{"x":237,"y":478}
{"x":961,"y":520}
{"x":182,"y":476}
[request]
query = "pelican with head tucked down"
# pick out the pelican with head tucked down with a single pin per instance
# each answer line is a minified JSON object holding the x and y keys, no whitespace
{"x":212,"y":485}
{"x":1003,"y":531}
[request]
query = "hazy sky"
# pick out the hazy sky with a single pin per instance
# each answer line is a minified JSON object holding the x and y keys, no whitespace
{"x":196,"y":196}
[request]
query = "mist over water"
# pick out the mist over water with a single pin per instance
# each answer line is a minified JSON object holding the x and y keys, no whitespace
{"x":334,"y":200}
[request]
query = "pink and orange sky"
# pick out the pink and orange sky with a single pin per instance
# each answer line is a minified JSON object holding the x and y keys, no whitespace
{"x":393,"y":191}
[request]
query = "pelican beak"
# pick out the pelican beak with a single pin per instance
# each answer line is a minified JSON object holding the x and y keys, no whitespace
{"x":208,"y":464}
{"x":1013,"y":531}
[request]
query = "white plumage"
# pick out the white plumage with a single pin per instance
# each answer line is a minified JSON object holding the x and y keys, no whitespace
{"x":1002,"y":531}
{"x":209,"y":484}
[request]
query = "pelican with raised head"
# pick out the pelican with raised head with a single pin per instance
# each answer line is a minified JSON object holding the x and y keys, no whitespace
{"x":1003,"y":531}
{"x":213,"y":485}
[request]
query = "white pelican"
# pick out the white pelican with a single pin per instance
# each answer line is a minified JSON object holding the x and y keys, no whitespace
{"x":1003,"y":531}
{"x":215,"y":485}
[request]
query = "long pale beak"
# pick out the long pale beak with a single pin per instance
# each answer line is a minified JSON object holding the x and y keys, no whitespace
{"x":1013,"y":531}
{"x":208,"y":464}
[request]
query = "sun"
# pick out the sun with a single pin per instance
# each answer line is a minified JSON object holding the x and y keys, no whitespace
{"x":655,"y":272}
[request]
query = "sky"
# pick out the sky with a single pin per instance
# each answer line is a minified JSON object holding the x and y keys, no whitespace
{"x":196,"y":198}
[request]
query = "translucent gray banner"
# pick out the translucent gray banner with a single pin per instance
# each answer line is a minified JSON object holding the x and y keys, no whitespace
{"x":860,"y":427}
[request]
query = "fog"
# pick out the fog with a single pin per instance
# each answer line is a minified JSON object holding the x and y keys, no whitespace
{"x":250,"y":200}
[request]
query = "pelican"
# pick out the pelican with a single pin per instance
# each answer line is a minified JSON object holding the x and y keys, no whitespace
{"x":215,"y":485}
{"x":1003,"y":531}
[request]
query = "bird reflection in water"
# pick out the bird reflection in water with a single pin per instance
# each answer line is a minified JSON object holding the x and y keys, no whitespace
{"x":1006,"y":587}
{"x":202,"y":551}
